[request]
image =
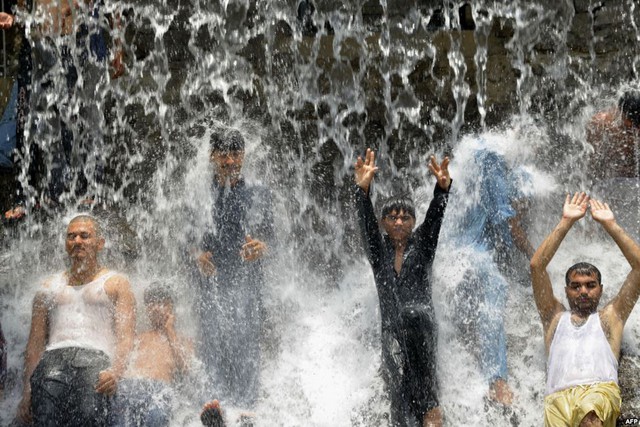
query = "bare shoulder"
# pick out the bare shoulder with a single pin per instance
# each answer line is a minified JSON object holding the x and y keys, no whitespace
{"x":117,"y":279}
{"x":550,"y":328}
{"x":550,"y":321}
{"x":612,"y":326}
{"x":50,"y":281}
{"x":116,"y":284}
{"x":611,"y":320}
{"x":47,"y":286}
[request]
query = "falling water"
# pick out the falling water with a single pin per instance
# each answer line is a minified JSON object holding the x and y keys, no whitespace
{"x":310,"y":93}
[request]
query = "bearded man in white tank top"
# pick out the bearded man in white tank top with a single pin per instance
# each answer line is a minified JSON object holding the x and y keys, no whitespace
{"x":583,"y":343}
{"x":82,"y":330}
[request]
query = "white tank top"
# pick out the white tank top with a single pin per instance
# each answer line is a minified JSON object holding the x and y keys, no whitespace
{"x":80,"y":316}
{"x":579,"y":355}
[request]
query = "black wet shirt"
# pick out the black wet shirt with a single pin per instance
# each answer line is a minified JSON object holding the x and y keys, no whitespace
{"x":230,"y":306}
{"x":412,"y":285}
{"x":238,"y":211}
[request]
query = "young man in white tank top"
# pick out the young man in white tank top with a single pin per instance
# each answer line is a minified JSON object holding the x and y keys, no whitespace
{"x":82,"y":329}
{"x":583,"y":343}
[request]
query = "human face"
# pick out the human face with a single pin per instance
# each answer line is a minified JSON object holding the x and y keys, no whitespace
{"x":158,"y":313}
{"x":82,"y":242}
{"x":398,"y":225}
{"x":228,"y":164}
{"x":583,"y":293}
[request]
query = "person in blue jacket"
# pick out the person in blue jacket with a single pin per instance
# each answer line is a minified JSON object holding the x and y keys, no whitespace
{"x":490,"y":230}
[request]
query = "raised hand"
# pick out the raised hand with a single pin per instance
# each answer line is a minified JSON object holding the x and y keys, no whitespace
{"x":575,"y":207}
{"x":601,"y":212}
{"x":6,"y":21}
{"x":366,"y":170}
{"x":441,"y":172}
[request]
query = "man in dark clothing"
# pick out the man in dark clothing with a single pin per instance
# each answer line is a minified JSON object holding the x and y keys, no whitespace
{"x":231,"y":266}
{"x":401,"y":262}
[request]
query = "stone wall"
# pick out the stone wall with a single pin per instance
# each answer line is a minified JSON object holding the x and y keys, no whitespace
{"x":561,"y":47}
{"x":546,"y":58}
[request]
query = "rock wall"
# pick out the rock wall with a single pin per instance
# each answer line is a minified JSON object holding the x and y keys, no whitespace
{"x":423,"y":72}
{"x":539,"y":57}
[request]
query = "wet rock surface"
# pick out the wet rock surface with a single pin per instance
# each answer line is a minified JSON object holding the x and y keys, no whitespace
{"x":629,"y":377}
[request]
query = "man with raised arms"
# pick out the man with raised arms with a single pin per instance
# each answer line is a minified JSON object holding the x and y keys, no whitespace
{"x":82,"y":330}
{"x":583,"y":343}
{"x":401,"y":261}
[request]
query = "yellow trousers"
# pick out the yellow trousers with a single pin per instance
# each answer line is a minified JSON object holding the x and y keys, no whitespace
{"x":568,"y":407}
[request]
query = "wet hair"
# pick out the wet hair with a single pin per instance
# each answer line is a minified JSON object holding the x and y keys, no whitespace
{"x":226,"y":141}
{"x":582,"y":269}
{"x":158,"y":294}
{"x":398,"y":204}
{"x":92,"y":219}
{"x":629,"y":104}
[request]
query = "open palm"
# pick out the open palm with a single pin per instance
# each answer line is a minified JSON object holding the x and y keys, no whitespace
{"x":6,"y":21}
{"x":366,"y":169}
{"x":575,"y":207}
{"x":441,"y":172}
{"x":601,"y":212}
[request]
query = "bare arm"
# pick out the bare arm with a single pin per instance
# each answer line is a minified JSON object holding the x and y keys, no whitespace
{"x":124,"y":320}
{"x":35,"y":347}
{"x":548,"y":305}
{"x":628,"y":295}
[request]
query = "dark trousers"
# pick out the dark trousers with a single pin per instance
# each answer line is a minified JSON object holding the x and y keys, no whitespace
{"x":230,"y":328}
{"x":63,"y":389}
{"x":409,"y":362}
